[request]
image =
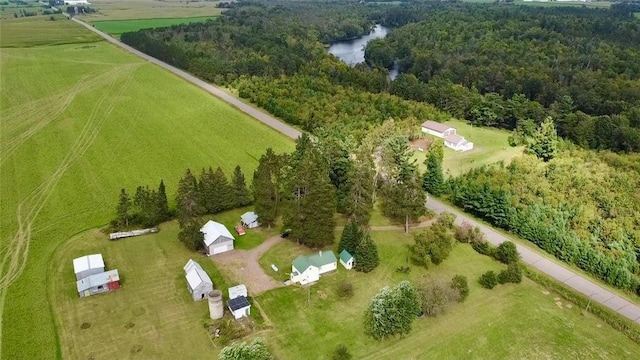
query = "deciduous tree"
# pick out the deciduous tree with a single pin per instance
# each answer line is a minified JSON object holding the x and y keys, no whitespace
{"x":392,"y":311}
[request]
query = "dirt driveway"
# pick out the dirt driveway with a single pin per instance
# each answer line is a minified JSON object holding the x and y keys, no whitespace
{"x":242,"y":267}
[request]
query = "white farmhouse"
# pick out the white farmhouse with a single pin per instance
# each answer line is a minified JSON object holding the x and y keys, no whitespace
{"x":457,"y":143}
{"x":307,"y":269}
{"x":437,"y":129}
{"x":198,"y":282}
{"x":217,"y":238}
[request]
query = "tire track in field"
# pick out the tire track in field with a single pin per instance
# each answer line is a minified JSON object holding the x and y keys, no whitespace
{"x":44,"y":111}
{"x":14,"y":257}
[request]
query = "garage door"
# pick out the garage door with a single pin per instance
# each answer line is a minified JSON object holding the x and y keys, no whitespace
{"x":221,"y":249}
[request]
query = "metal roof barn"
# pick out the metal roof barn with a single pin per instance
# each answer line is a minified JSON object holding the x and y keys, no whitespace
{"x":88,"y":265}
{"x":198,"y":282}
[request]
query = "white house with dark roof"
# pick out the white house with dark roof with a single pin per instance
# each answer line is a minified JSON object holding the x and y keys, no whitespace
{"x":457,"y":143}
{"x":307,"y":269}
{"x":448,"y":133}
{"x":217,"y":238}
{"x":88,"y":265}
{"x":250,"y":219}
{"x":198,"y":282}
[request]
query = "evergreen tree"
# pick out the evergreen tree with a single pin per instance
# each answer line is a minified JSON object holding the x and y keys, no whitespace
{"x":241,"y":195}
{"x":310,"y":196}
{"x":366,"y":254}
{"x":404,"y":200}
{"x":206,"y":191}
{"x":266,"y":187}
{"x":223,"y":192}
{"x":545,"y":141}
{"x":122,"y":211}
{"x":189,"y":210}
{"x":433,"y":180}
{"x":392,"y":310}
{"x":350,"y":238}
{"x":162,"y":202}
{"x":146,"y":207}
{"x":362,"y":188}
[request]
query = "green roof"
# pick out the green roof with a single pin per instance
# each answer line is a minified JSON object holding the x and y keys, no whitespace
{"x":301,"y":263}
{"x":345,"y":256}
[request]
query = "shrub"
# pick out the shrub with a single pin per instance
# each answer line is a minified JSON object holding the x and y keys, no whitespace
{"x":468,"y":234}
{"x":446,"y":219}
{"x":256,"y":350}
{"x":506,"y":253}
{"x":342,"y":353}
{"x":345,"y":290}
{"x":513,"y":274}
{"x":437,"y":296}
{"x":459,"y":283}
{"x":488,"y":280}
{"x":391,"y":311}
{"x":482,"y":247}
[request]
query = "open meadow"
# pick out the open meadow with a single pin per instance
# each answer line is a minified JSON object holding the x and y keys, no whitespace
{"x":80,"y":121}
{"x":149,"y":9}
{"x":490,"y":145}
{"x":513,"y":321}
{"x":118,"y":27}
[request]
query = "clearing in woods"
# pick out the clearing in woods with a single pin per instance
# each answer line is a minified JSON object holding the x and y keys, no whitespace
{"x":80,"y":121}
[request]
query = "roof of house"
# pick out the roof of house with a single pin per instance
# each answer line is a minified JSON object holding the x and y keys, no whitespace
{"x":213,"y":231}
{"x":238,"y":303}
{"x":455,"y":139}
{"x":249,"y":217}
{"x":195,"y":275}
{"x":436,"y":126}
{"x":237,"y":291}
{"x":102,"y":278}
{"x":301,"y":263}
{"x":345,"y":256}
{"x":88,"y":262}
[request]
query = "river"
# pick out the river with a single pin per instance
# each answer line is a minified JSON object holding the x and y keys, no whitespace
{"x":351,"y":52}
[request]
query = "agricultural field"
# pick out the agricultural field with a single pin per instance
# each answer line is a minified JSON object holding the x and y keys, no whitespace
{"x":508,"y":322}
{"x":80,"y":121}
{"x":150,"y":9}
{"x":118,"y":27}
{"x":38,"y":30}
{"x":490,"y":145}
{"x":592,"y":4}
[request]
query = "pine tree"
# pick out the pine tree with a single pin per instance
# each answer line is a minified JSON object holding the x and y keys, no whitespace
{"x":350,"y":238}
{"x":206,"y":191}
{"x":545,"y":141}
{"x":240,"y":191}
{"x":189,"y":210}
{"x":123,"y":209}
{"x":162,"y":202}
{"x":223,"y":192}
{"x":266,"y":186}
{"x":362,"y":188}
{"x":366,"y":254}
{"x":433,"y":180}
{"x":392,"y":310}
{"x":405,"y":200}
{"x":310,"y":197}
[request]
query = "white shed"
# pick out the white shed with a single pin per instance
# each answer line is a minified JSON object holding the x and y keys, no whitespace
{"x":217,"y":238}
{"x":198,"y":282}
{"x":250,"y":219}
{"x":240,"y":307}
{"x":237,"y":291}
{"x":88,"y":265}
{"x":347,"y":260}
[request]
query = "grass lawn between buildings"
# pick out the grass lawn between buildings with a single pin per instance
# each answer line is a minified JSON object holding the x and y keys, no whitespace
{"x":118,"y":27}
{"x":509,"y":322}
{"x":80,"y":121}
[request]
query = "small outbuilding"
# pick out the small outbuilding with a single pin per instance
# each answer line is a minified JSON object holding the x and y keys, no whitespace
{"x":307,"y":269}
{"x":240,"y":307}
{"x":198,"y":282}
{"x":88,"y":265}
{"x":217,"y":238}
{"x":347,"y":260}
{"x":98,"y":283}
{"x":237,"y":291}
{"x":457,"y":143}
{"x":250,"y":219}
{"x":437,"y":129}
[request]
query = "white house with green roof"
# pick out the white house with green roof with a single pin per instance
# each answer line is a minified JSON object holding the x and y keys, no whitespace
{"x":307,"y":269}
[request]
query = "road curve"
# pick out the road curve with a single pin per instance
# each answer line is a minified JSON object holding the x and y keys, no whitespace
{"x":213,"y":90}
{"x":555,"y":270}
{"x":551,"y":268}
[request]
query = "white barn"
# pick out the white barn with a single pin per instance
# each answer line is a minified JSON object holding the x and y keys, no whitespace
{"x":237,"y":291}
{"x":250,"y":219}
{"x":98,"y":283}
{"x":217,"y":238}
{"x":307,"y":269}
{"x":198,"y":282}
{"x":347,"y":260}
{"x":88,"y":265}
{"x":457,"y":143}
{"x":437,"y":129}
{"x":240,"y":307}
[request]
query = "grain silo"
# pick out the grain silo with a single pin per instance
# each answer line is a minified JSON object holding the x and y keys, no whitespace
{"x":216,"y":305}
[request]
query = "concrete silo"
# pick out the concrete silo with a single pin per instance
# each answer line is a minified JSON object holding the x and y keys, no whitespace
{"x":216,"y":305}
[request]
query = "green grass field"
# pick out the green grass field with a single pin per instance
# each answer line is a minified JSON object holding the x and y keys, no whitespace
{"x":592,"y":4}
{"x":521,"y":321}
{"x":118,"y":27}
{"x":37,"y":30}
{"x":150,"y":9}
{"x":489,"y":146}
{"x":79,"y":122}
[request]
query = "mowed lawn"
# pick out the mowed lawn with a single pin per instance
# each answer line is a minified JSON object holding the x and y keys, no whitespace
{"x":152,"y":316}
{"x":118,"y":27}
{"x":489,"y":146}
{"x":515,"y":321}
{"x":149,"y":9}
{"x":79,"y":122}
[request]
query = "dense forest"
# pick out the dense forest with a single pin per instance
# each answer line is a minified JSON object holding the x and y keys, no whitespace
{"x":499,"y":65}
